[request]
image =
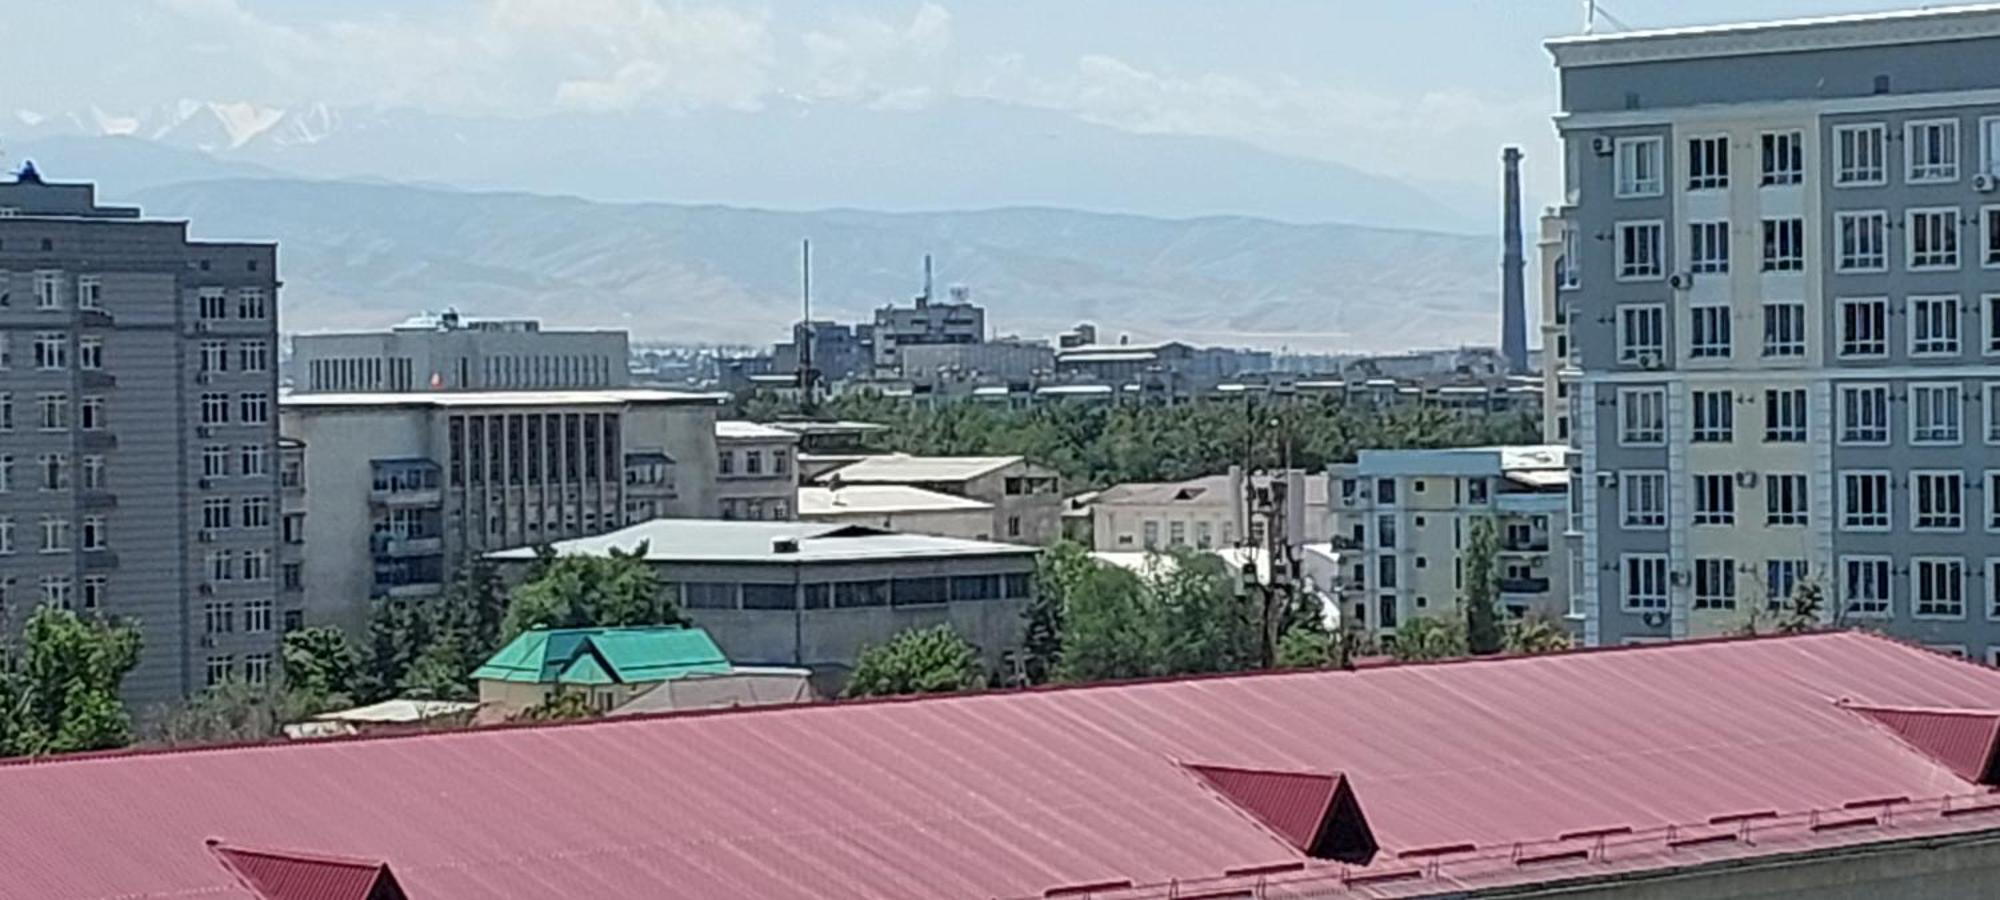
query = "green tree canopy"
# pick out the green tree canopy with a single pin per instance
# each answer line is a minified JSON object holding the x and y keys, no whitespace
{"x":918,"y":661}
{"x":1187,"y":614}
{"x":1482,"y":589}
{"x":59,"y":688}
{"x":321,"y":668}
{"x":610,"y":591}
{"x":1427,"y":638}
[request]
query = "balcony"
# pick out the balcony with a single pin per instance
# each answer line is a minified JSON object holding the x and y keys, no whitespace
{"x":393,"y":546}
{"x":1524,"y":585}
{"x":406,"y":482}
{"x":1536,"y":544}
{"x":97,"y":500}
{"x":1531,"y":502}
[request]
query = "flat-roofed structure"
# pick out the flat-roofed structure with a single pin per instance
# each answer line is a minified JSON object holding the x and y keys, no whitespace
{"x":1026,"y":497}
{"x":756,"y":472}
{"x":450,"y":352}
{"x":898,"y":507}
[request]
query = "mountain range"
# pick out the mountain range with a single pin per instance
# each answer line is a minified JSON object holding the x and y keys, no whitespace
{"x":380,"y":214}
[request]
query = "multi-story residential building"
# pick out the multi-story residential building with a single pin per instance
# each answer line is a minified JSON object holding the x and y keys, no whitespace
{"x":1781,"y":259}
{"x":1402,"y":518}
{"x":404,"y":487}
{"x":138,"y":433}
{"x":1207,"y":513}
{"x":756,"y":476}
{"x":448,"y":352}
{"x":1026,"y":497}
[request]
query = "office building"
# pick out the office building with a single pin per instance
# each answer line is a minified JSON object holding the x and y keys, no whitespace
{"x":450,"y":352}
{"x":404,"y":487}
{"x":956,"y":321}
{"x":1692,"y":770}
{"x":816,"y":595}
{"x":138,"y":433}
{"x":1402,"y":518}
{"x":1026,"y":498}
{"x":1781,"y":262}
{"x":755,"y":475}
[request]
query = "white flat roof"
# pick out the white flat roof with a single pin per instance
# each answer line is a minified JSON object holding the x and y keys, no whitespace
{"x":693,"y":541}
{"x":751,"y":431}
{"x":899,"y":468}
{"x":457,"y":399}
{"x":1907,"y":26}
{"x":840,"y":427}
{"x":880,"y":499}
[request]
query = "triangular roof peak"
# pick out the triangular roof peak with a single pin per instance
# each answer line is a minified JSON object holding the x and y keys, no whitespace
{"x":1315,"y":812}
{"x":1962,"y":740}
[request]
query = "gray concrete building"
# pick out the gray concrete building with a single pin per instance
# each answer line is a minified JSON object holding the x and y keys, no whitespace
{"x":450,"y":352}
{"x":756,"y":472}
{"x":138,"y":433}
{"x":404,"y":487}
{"x":1780,"y":269}
{"x":957,"y":321}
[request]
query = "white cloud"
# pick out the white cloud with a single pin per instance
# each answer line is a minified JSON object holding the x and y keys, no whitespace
{"x":865,"y":57}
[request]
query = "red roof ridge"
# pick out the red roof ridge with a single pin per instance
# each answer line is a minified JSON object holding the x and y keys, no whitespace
{"x":1846,"y":703}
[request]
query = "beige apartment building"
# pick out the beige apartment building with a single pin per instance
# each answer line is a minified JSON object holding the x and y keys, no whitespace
{"x":756,"y":473}
{"x":1026,"y":498}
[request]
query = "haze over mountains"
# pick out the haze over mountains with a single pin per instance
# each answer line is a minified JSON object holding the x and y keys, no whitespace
{"x":381,"y":213}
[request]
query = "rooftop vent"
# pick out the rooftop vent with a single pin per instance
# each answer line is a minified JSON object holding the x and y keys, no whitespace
{"x":1314,"y":812}
{"x":785,"y":545}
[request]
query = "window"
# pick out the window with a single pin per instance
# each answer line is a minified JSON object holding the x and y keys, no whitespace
{"x":1992,"y":405}
{"x":219,"y":669}
{"x":89,"y":292}
{"x":1385,"y":491}
{"x":1933,"y":326}
{"x":725,"y":462}
{"x":93,"y":534}
{"x":1641,"y":334}
{"x":1708,"y":163}
{"x":780,"y":462}
{"x":1989,"y":145}
{"x":221,"y":566}
{"x":214,"y":462}
{"x":1385,"y":572}
{"x":1864,"y":585}
{"x":1864,"y":414}
{"x":6,"y":411}
{"x":90,"y":354}
{"x":1785,"y":245}
{"x":57,"y":591}
{"x":1937,"y":501}
{"x":1781,"y":578}
{"x":1784,"y":329}
{"x":256,"y":512}
{"x":1152,"y":535}
{"x":215,"y":409}
{"x":1569,"y":274}
{"x":250,"y":304}
{"x":1715,"y":500}
{"x":1644,"y":496}
{"x":255,"y":460}
{"x":1784,"y":499}
{"x":1639,"y":251}
{"x":1784,"y":158}
{"x":48,"y":290}
{"x":1785,"y":416}
{"x":96,"y":590}
{"x":54,"y":470}
{"x":215,"y":513}
{"x":1990,"y":257}
{"x":1645,"y":582}
{"x":214,"y":304}
{"x":6,"y":535}
{"x":1708,"y":247}
{"x":1933,"y":241}
{"x":55,"y":534}
{"x":1864,"y":327}
{"x":1933,"y":150}
{"x":257,"y":668}
{"x":1714,"y":583}
{"x":6,"y":338}
{"x":1864,"y":501}
{"x":1642,"y":415}
{"x":1714,"y":417}
{"x":214,"y":356}
{"x":1992,"y":302}
{"x":1708,"y":332}
{"x":1177,"y":533}
{"x":1385,"y":532}
{"x":256,"y":565}
{"x":256,"y":408}
{"x":1934,"y":414}
{"x":51,"y":351}
{"x":93,"y":473}
{"x":1858,"y":157}
{"x":753,"y":462}
{"x":1638,"y":167}
{"x":1863,"y":242}
{"x":1937,"y":586}
{"x":55,"y":411}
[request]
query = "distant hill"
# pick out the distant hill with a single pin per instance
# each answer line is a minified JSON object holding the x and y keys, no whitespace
{"x":363,"y":255}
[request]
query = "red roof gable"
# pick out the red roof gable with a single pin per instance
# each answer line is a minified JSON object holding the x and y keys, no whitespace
{"x":284,"y":875}
{"x":1011,"y":794}
{"x":1316,"y":814}
{"x":1962,"y":740}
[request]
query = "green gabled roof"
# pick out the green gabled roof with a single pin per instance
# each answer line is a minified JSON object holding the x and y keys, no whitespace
{"x":605,"y":656}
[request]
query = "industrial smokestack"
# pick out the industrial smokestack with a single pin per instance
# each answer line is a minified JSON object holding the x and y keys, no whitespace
{"x":1513,"y":265}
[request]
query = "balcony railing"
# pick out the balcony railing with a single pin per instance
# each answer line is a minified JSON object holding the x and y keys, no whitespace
{"x":1524,"y":585}
{"x":391,"y":545}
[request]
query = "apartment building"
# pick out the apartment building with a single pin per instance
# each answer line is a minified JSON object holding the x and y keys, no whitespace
{"x":1206,"y":513}
{"x":1780,"y":260}
{"x":1402,"y":518}
{"x":756,"y":477}
{"x":404,"y":487}
{"x":138,"y":433}
{"x":1026,"y":498}
{"x":450,"y":352}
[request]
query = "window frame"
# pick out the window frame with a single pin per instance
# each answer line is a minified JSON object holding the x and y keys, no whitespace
{"x":1841,"y":260}
{"x":1630,"y":354}
{"x":1947,"y":214}
{"x":1626,"y":271}
{"x":1635,"y":190}
{"x":1917,"y":564}
{"x":1916,"y":495}
{"x":1772,"y":143}
{"x":1887,"y":570}
{"x":1885,"y":481}
{"x":1844,"y":422}
{"x":1659,"y":602}
{"x":1773,"y":259}
{"x":1881,"y":148}
{"x":1719,"y":568}
{"x":1795,"y":311}
{"x":1625,"y":406}
{"x":1634,"y":518}
{"x":1715,"y":432}
{"x":1845,"y":341}
{"x":1772,"y":404}
{"x":1953,"y":389}
{"x":1716,"y":180}
{"x":1711,"y":235}
{"x":1913,"y":339}
{"x":1799,"y":515}
{"x":1718,"y":312}
{"x":1955,"y":146}
{"x":1722,"y":512}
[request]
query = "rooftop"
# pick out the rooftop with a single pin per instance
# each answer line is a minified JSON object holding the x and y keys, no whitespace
{"x":803,"y":427}
{"x":1209,"y":489}
{"x":604,"y":656}
{"x":1941,"y":23}
{"x":881,"y":499}
{"x":751,"y":431}
{"x":715,"y":541}
{"x":1411,"y":780}
{"x":902,"y":468}
{"x":465,"y":399}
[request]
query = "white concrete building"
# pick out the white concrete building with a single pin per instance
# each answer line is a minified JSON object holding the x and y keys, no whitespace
{"x":898,"y":507}
{"x":756,"y":478}
{"x":1204,"y":513}
{"x":1026,"y":498}
{"x":448,"y":352}
{"x":402,"y":487}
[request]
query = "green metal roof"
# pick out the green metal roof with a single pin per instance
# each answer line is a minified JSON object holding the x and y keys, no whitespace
{"x":604,"y":656}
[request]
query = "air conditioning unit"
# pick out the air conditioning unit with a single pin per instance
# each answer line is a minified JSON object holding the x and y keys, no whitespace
{"x":1679,"y":578}
{"x":203,"y":431}
{"x":201,"y":327}
{"x":1654,"y":619}
{"x":1680,"y":281}
{"x":206,"y":642}
{"x":1649,"y":360}
{"x":1602,"y":146}
{"x":1985,"y":183}
{"x":1607,"y":480}
{"x":205,"y":536}
{"x":1746,"y":479}
{"x":204,"y":589}
{"x":203,"y":378}
{"x":205,"y":483}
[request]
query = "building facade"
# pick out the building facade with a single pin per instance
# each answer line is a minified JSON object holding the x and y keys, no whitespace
{"x":756,"y":473}
{"x":896,"y":507}
{"x":1207,"y":513}
{"x":404,"y":487}
{"x":448,"y":352}
{"x":138,"y":433}
{"x":1026,"y":498}
{"x":1402,"y":519}
{"x":1781,"y":258}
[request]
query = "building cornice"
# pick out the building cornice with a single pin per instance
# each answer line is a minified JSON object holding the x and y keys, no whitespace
{"x":1789,"y":36}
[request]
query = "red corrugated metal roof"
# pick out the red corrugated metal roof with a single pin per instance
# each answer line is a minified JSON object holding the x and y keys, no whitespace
{"x":1299,"y":806}
{"x":1012,"y":794}
{"x":281,"y":875}
{"x":1961,"y":739}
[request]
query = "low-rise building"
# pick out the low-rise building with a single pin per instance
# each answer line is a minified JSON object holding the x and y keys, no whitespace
{"x":1026,"y":498}
{"x":449,"y":352}
{"x":814,"y":595}
{"x":1402,"y":519}
{"x":897,"y":507}
{"x":404,"y":487}
{"x":609,"y":665}
{"x":754,"y":472}
{"x":1204,"y":513}
{"x":399,"y":716}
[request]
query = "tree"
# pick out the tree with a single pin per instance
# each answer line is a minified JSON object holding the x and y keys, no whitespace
{"x":1062,"y":570}
{"x":1427,"y":638}
{"x":561,"y":706}
{"x":1536,"y":635}
{"x":320,"y":667}
{"x":59,"y":689}
{"x":1202,"y":619}
{"x":615,"y":590}
{"x":918,"y":661}
{"x":463,"y":629}
{"x":1106,"y":631}
{"x":230,"y":712}
{"x":1482,"y":590}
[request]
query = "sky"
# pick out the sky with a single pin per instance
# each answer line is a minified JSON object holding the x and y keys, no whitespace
{"x":1425,"y":91}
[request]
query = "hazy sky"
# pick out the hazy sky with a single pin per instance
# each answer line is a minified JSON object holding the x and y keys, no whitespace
{"x":1424,"y":90}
